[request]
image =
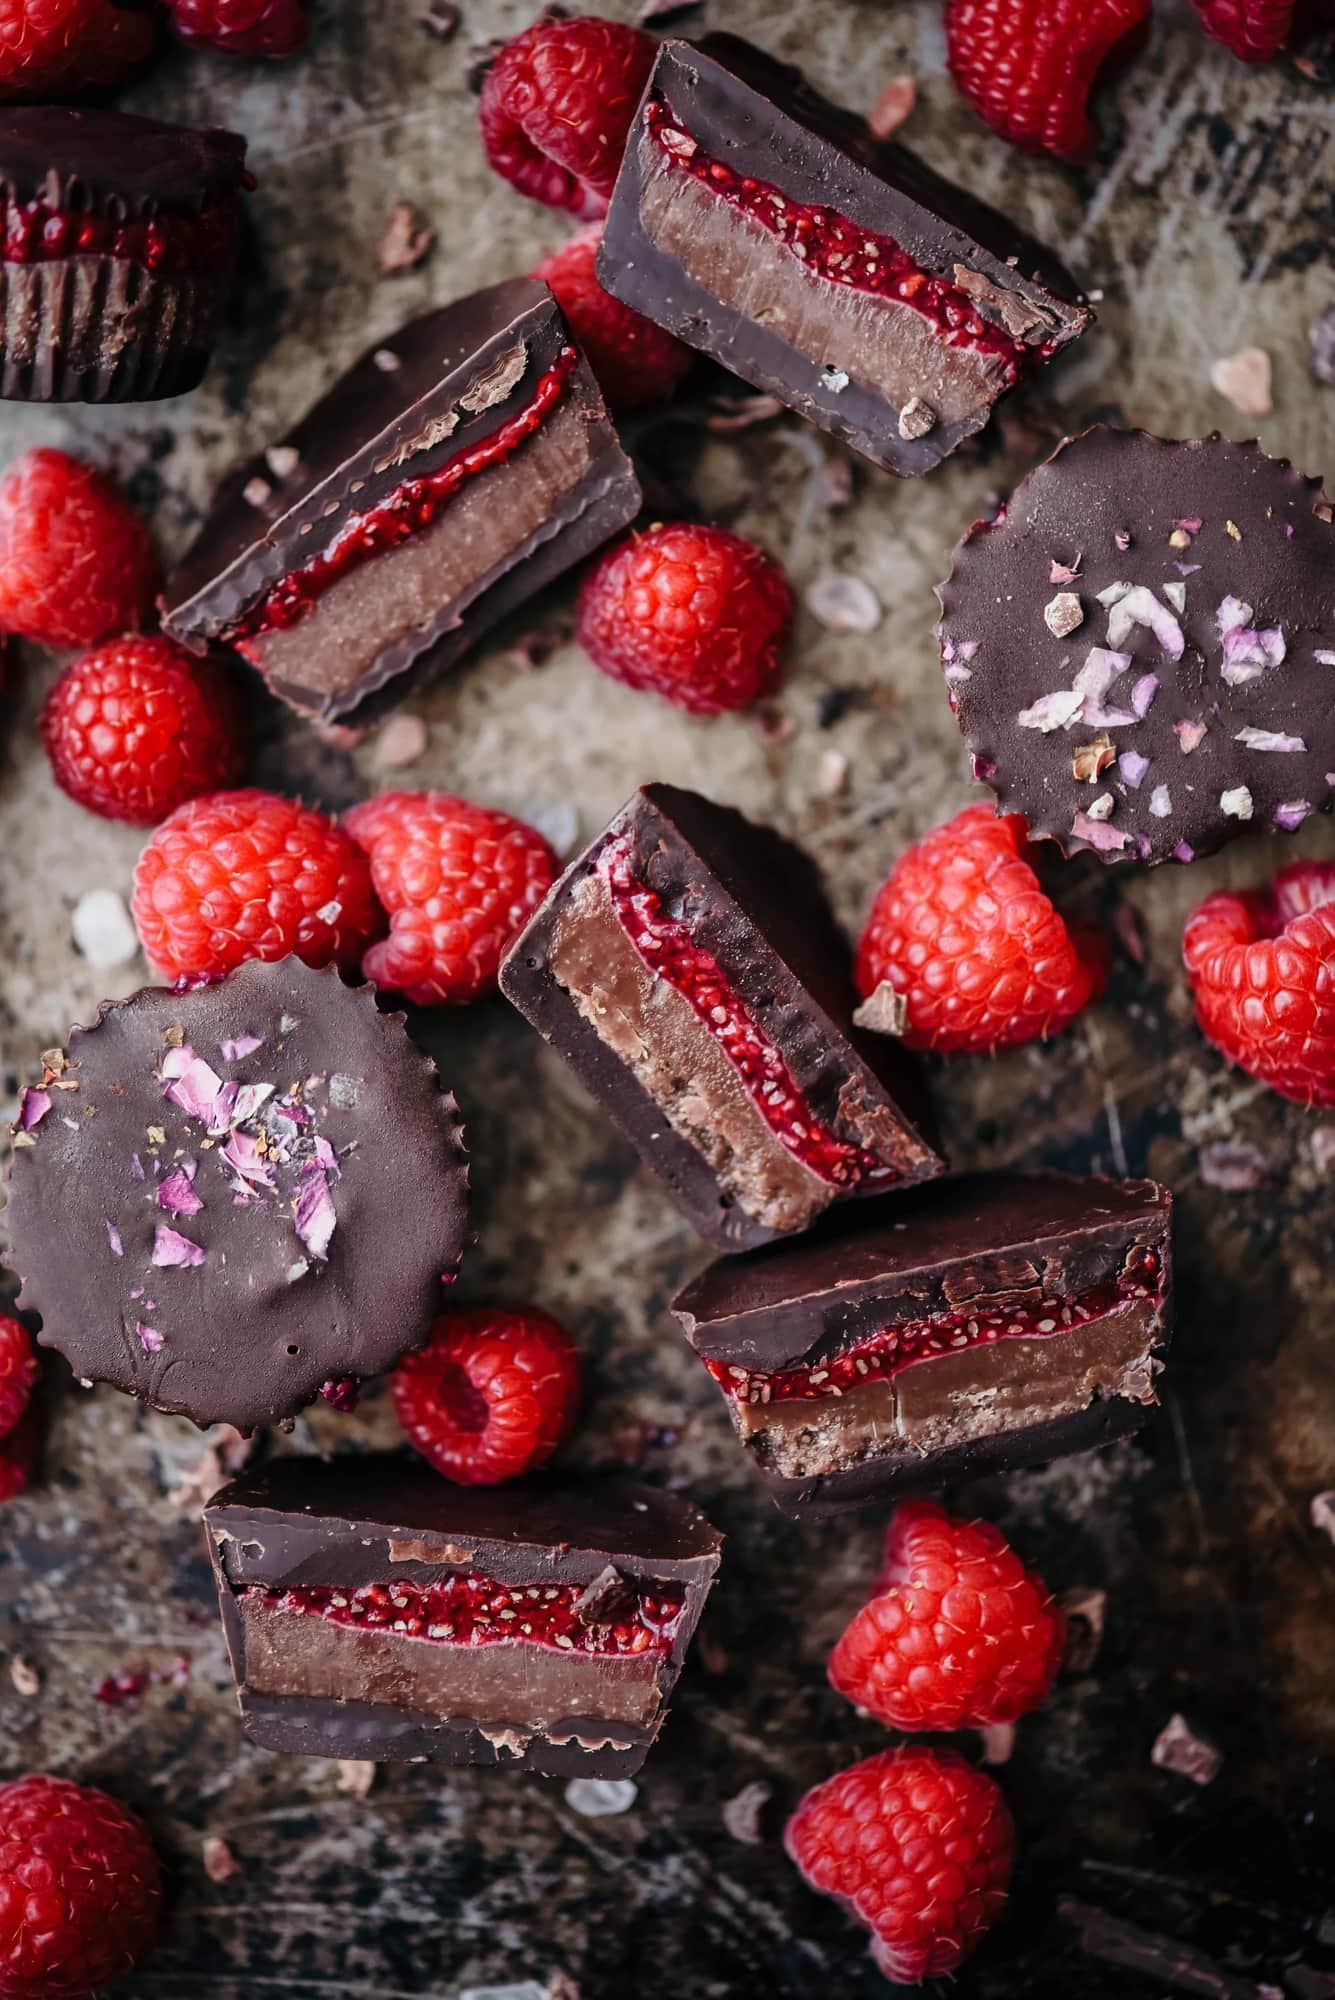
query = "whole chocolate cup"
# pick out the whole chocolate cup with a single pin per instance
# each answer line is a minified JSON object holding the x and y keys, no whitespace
{"x":223,"y":1254}
{"x":94,"y":327}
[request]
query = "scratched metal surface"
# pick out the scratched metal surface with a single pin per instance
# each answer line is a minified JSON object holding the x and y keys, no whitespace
{"x":1208,"y":225}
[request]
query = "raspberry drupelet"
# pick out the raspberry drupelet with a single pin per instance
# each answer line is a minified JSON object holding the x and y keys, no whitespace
{"x":76,"y":562}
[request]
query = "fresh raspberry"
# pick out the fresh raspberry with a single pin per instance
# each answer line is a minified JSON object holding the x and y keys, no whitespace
{"x":959,"y":1633}
{"x":18,"y":1372}
{"x":696,"y":614}
{"x":919,"y":1845}
{"x":76,"y":562}
{"x":491,"y":1395}
{"x":243,"y":27}
{"x":636,"y":362}
{"x":243,"y":875}
{"x":51,"y":49}
{"x":137,"y":728}
{"x":459,"y":881}
{"x":1262,"y":967}
{"x":1028,"y":67}
{"x":80,"y":1889}
{"x":18,"y":1455}
{"x":963,"y":932}
{"x":1254,"y":30}
{"x":556,"y":107}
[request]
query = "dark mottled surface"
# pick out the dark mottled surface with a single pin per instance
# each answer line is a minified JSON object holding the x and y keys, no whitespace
{"x":1207,"y":222}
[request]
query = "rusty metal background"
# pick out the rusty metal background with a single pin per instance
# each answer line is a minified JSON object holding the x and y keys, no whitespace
{"x":1207,"y":223}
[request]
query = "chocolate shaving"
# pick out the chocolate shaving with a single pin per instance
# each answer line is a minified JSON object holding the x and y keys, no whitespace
{"x":744,"y":1813}
{"x":739,"y":413}
{"x":1178,"y":1748}
{"x":884,"y":1012}
{"x":355,"y":1776}
{"x":1321,"y":346}
{"x":594,"y":1602}
{"x":441,"y":20}
{"x":1083,"y":1611}
{"x":406,"y":241}
{"x":663,"y":11}
{"x":26,"y":1677}
{"x":893,"y":106}
{"x":1244,"y":378}
{"x":220,"y":1864}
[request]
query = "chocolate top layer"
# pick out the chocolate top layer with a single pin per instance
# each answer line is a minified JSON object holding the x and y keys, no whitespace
{"x":110,"y":163}
{"x":933,"y":1246}
{"x":392,"y":416}
{"x":297,"y":1518}
{"x":1141,"y":650}
{"x":226,"y":1197}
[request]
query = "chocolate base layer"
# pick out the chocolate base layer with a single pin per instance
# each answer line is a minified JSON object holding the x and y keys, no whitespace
{"x":758,"y":907}
{"x":444,"y":384}
{"x":104,"y":329}
{"x":99,"y":328}
{"x":223,"y":1266}
{"x":1049,"y":1301}
{"x":1153,"y":725}
{"x":384,"y":1517}
{"x":868,"y":367}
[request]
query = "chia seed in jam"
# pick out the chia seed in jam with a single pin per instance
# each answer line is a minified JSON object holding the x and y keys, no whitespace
{"x":470,"y":1609}
{"x":666,"y":946}
{"x":881,"y":1355}
{"x":841,"y":251}
{"x":411,"y":507}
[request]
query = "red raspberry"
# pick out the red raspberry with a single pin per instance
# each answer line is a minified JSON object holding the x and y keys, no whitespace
{"x":960,"y":1632}
{"x":18,"y":1454}
{"x":636,"y":362}
{"x":919,"y":1845}
{"x":1028,"y":66}
{"x":243,"y":27}
{"x":491,"y":1395}
{"x":1262,"y":967}
{"x":137,"y":728}
{"x":962,"y":930}
{"x":459,"y":881}
{"x":557,"y":105}
{"x":51,"y":49}
{"x":80,"y":1889}
{"x":696,"y":614}
{"x":1255,"y":30}
{"x":243,"y":875}
{"x":18,"y":1372}
{"x":76,"y":562}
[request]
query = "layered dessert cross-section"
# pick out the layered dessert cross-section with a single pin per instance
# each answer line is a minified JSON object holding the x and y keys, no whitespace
{"x":770,"y":228}
{"x":374,"y":1610}
{"x":453,"y":472}
{"x":689,"y":969}
{"x":983,"y":1323}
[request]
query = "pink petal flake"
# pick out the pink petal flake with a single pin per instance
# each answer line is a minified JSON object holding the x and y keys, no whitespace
{"x":149,"y":1336}
{"x":238,"y":1050}
{"x":327,"y":1158}
{"x":1184,"y":851}
{"x":1142,"y":695}
{"x":1189,"y":735}
{"x":315,"y":1213}
{"x":1268,"y":739}
{"x":1058,"y":710}
{"x":1131,"y":767}
{"x":1247,"y":652}
{"x":177,"y":1193}
{"x":1191,"y":526}
{"x":1109,"y":839}
{"x":1132,"y":604}
{"x":192,"y":1085}
{"x":1289,"y":817}
{"x":114,"y":1239}
{"x":33,"y":1108}
{"x":1065,"y":572}
{"x":1161,"y":802}
{"x":1101,"y":668}
{"x":242,"y":1154}
{"x":174,"y":1252}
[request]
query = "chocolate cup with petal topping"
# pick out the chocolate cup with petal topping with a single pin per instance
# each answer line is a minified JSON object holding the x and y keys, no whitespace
{"x":221,"y":1200}
{"x":1140,"y":651}
{"x":119,"y":245}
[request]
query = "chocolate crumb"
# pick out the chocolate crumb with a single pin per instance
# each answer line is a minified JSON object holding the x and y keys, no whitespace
{"x":1321,"y":346}
{"x":406,"y":241}
{"x":220,"y":1864}
{"x":739,"y":413}
{"x":600,"y":1798}
{"x":885,"y":1011}
{"x":663,"y":11}
{"x":1083,"y":1610}
{"x":1178,"y":1748}
{"x":833,"y":774}
{"x":282,"y":460}
{"x":256,"y":492}
{"x":26,"y":1677}
{"x":998,"y":1742}
{"x":893,"y":106}
{"x":441,"y":20}
{"x":834,"y":704}
{"x":1233,"y":1168}
{"x":743,"y":1814}
{"x":598,"y":1595}
{"x":402,"y":740}
{"x":843,"y":603}
{"x":1233,"y":530}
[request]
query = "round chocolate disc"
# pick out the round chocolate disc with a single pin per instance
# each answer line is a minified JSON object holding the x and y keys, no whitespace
{"x":222,"y":1199}
{"x":1140,"y":650}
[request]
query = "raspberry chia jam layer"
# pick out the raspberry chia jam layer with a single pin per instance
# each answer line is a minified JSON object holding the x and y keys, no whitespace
{"x":35,"y":232}
{"x":472,"y":1609}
